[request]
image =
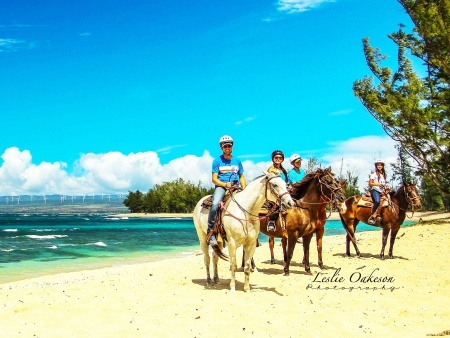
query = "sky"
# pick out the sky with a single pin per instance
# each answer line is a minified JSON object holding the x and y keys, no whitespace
{"x":111,"y":96}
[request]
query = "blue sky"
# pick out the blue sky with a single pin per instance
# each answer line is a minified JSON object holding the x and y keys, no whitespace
{"x":111,"y":96}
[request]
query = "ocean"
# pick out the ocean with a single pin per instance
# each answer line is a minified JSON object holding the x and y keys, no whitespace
{"x":38,"y":244}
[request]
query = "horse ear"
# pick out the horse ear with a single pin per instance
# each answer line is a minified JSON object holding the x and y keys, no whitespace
{"x":266,"y":173}
{"x":342,"y":183}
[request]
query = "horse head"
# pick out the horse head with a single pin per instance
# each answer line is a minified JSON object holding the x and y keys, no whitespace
{"x":412,"y":195}
{"x":332,"y":190}
{"x":276,"y":188}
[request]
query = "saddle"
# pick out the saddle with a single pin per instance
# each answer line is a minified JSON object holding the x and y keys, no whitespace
{"x":366,"y":201}
{"x":218,"y":228}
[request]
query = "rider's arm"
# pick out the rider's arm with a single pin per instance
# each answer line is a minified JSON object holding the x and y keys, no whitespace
{"x":219,"y":183}
{"x":372,"y":183}
{"x":242,"y":181}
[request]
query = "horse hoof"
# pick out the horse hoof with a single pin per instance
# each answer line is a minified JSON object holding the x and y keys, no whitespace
{"x":286,"y":273}
{"x":216,"y":280}
{"x":321,"y":265}
{"x":272,"y":261}
{"x":308,"y":270}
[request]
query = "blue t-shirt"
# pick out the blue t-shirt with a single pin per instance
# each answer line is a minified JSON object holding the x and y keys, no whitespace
{"x":227,"y":170}
{"x":295,"y":176}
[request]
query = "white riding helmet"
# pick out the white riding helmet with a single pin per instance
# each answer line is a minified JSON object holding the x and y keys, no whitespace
{"x":225,"y":139}
{"x":294,"y":157}
{"x":379,"y":160}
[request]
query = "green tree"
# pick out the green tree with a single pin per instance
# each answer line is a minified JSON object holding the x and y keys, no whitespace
{"x":414,"y":111}
{"x":351,"y":185}
{"x":173,"y":197}
{"x":430,"y":196}
{"x":402,"y":169}
{"x":134,"y":201}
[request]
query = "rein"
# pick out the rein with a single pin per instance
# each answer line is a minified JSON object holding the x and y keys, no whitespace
{"x":258,"y":218}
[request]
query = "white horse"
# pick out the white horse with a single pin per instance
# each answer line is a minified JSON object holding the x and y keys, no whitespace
{"x":241,"y":223}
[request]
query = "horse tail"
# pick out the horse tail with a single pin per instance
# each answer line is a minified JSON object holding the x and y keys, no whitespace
{"x":344,"y":224}
{"x":220,"y":253}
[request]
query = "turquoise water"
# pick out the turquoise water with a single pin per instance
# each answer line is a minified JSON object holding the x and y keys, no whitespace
{"x":38,"y":244}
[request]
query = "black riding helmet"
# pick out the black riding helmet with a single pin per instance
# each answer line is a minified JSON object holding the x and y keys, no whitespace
{"x":277,"y":152}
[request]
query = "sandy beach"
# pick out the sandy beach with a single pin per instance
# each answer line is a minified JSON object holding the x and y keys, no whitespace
{"x":408,"y":296}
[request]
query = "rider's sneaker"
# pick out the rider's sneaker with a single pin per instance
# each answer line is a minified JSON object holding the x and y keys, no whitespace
{"x":378,"y":220}
{"x":271,"y":226}
{"x":213,"y":241}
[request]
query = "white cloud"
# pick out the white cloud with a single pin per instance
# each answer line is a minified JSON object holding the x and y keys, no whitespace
{"x":357,"y":155}
{"x":11,"y":45}
{"x":247,"y":119}
{"x":115,"y":172}
{"x":296,"y":6}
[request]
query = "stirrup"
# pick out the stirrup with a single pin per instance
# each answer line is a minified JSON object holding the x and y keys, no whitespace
{"x":372,"y":219}
{"x":271,"y":226}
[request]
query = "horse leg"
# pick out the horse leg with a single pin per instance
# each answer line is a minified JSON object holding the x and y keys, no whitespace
{"x":351,"y":230}
{"x":284,"y":246}
{"x":306,"y":242}
{"x":292,"y":240}
{"x":271,"y":245}
{"x":206,"y":260}
{"x":385,"y":234}
{"x":391,"y":244}
{"x":215,"y":260}
{"x":319,"y":237}
{"x":249,"y":252}
{"x":243,"y":261}
{"x":233,"y":265}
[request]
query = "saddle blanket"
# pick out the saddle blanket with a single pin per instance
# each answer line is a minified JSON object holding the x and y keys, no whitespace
{"x":365,"y":201}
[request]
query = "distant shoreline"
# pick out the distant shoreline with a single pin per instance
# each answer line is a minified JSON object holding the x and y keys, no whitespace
{"x":334,"y":216}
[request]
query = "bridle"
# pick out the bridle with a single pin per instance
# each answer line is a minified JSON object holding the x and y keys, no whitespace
{"x":323,"y":197}
{"x":410,"y":200}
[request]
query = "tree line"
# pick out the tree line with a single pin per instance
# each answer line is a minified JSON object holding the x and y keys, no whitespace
{"x":177,"y":196}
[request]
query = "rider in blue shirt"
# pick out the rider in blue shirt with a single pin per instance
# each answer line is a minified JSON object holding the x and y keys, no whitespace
{"x":226,"y":171}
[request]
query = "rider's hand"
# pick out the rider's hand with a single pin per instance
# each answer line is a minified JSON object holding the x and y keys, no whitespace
{"x":227,"y":185}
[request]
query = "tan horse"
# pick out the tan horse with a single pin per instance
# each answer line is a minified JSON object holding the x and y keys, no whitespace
{"x":313,"y":193}
{"x":392,"y":216}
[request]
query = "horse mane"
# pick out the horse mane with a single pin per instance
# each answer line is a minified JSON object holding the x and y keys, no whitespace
{"x":299,"y":189}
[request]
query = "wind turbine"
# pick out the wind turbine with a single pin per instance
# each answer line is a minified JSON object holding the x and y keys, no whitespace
{"x":45,"y":199}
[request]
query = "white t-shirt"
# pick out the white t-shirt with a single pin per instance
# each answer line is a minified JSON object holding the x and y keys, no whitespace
{"x":377,"y":179}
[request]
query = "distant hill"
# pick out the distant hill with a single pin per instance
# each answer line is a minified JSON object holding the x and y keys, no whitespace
{"x":61,"y":204}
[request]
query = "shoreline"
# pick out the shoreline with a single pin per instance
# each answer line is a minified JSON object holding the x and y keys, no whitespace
{"x":334,"y":216}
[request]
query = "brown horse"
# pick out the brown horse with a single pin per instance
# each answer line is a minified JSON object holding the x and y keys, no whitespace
{"x":392,"y":216}
{"x":313,"y":194}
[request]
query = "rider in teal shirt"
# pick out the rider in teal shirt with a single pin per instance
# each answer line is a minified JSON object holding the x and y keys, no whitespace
{"x":296,"y":174}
